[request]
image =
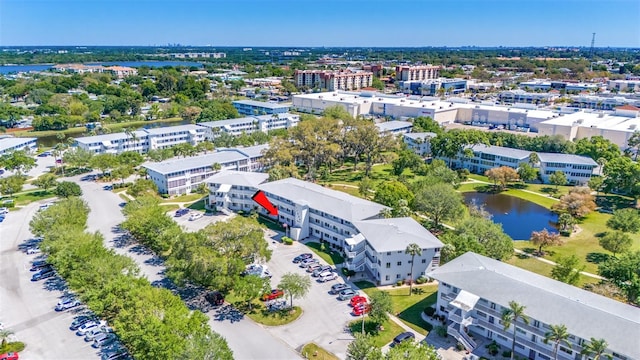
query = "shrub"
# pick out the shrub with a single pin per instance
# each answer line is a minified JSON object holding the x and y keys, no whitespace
{"x":506,"y":354}
{"x":459,"y":347}
{"x":421,"y":280}
{"x":14,"y":346}
{"x":347,"y":272}
{"x":399,"y":283}
{"x":429,"y":311}
{"x":287,"y":240}
{"x":493,"y":348}
{"x":441,"y":331}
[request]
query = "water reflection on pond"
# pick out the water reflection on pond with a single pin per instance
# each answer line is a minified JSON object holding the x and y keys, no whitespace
{"x":518,"y":217}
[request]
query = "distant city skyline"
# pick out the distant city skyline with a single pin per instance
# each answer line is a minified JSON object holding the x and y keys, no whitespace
{"x":330,"y":23}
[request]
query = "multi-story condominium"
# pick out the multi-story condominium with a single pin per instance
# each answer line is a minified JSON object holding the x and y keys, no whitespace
{"x":249,"y":124}
{"x":473,"y":291}
{"x":334,"y":80}
{"x":182,"y":176}
{"x":557,"y":85}
{"x":373,"y":246}
{"x":417,"y":73}
{"x":420,"y":143}
{"x":9,"y":144}
{"x":252,"y":107}
{"x":79,"y":68}
{"x":394,"y":127}
{"x":432,"y":87}
{"x":601,"y":102}
{"x":521,"y":96}
{"x":617,"y":127}
{"x":143,"y":140}
{"x":578,"y":169}
{"x":121,"y":71}
{"x":624,"y":85}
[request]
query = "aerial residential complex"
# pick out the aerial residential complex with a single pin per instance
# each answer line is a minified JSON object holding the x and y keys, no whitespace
{"x":182,"y":176}
{"x":144,"y":140}
{"x":433,"y":87}
{"x":333,"y":80}
{"x":420,"y":143}
{"x":253,"y":107}
{"x":372,"y":245}
{"x":578,"y":169}
{"x":394,"y":127}
{"x":417,"y":73}
{"x":9,"y":144}
{"x":473,"y":290}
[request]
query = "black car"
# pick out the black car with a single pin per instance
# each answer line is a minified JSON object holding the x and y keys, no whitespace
{"x":39,"y":265}
{"x":301,"y":257}
{"x":404,"y":337}
{"x":43,"y":274}
{"x":181,"y":212}
{"x":79,"y":321}
{"x":215,"y":298}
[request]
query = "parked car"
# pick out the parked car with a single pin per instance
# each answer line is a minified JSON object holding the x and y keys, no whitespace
{"x":80,"y":320}
{"x":337,"y":288}
{"x":86,"y":327}
{"x":306,"y":262}
{"x":33,"y":250}
{"x":274,"y":294}
{"x":10,"y":356}
{"x":407,"y":335}
{"x":320,"y":270}
{"x":327,"y":276}
{"x":2,"y":217}
{"x":195,"y":216}
{"x":40,"y":265}
{"x":115,"y":354}
{"x":67,"y":303}
{"x":95,"y":332}
{"x":313,"y":267}
{"x":180,"y":212}
{"x":301,"y":257}
{"x":4,"y":210}
{"x":43,"y":274}
{"x":45,"y":206}
{"x":108,"y":187}
{"x":357,"y":300}
{"x":103,"y":339}
{"x":361,"y":309}
{"x":215,"y":298}
{"x":347,"y":294}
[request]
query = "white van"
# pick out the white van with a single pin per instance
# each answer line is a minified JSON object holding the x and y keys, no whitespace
{"x":327,"y":276}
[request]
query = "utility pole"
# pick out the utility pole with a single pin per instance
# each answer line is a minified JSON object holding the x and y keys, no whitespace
{"x":593,"y":42}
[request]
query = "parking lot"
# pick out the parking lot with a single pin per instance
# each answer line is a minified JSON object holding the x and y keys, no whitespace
{"x":26,"y":307}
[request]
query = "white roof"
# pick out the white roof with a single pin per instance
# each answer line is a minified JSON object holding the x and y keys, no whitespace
{"x":396,"y":234}
{"x":420,"y":135}
{"x":261,"y":104}
{"x":501,"y":151}
{"x":329,"y":201}
{"x":595,"y":120}
{"x":9,"y":142}
{"x":140,"y":134}
{"x":393,"y":125}
{"x":195,"y":162}
{"x":238,"y":178}
{"x":585,"y":314}
{"x":566,"y":158}
{"x":171,"y":129}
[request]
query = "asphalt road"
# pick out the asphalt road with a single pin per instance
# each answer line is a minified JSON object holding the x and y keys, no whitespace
{"x":27,"y":307}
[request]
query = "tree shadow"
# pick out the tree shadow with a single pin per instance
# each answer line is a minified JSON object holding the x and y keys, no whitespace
{"x":549,"y":190}
{"x":597,"y":258}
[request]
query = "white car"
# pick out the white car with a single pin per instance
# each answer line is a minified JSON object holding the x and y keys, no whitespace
{"x":85,"y":328}
{"x":327,"y":276}
{"x":195,"y":216}
{"x":33,"y":250}
{"x":67,"y":303}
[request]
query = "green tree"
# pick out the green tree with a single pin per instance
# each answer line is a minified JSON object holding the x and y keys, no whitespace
{"x":45,"y":181}
{"x":502,"y":175}
{"x":337,"y":112}
{"x":18,"y":161}
{"x":622,"y":175}
{"x":624,"y":272}
{"x":596,"y":349}
{"x":595,"y":184}
{"x":439,"y":201}
{"x":413,"y":350}
{"x":426,"y":124}
{"x":527,"y":173}
{"x":103,"y":162}
{"x":4,"y":335}
{"x":534,"y":159}
{"x":567,"y":270}
{"x":122,"y":172}
{"x":626,"y":220}
{"x":412,"y":249}
{"x":67,"y":189}
{"x":616,"y":241}
{"x":490,"y":237}
{"x":544,"y":238}
{"x":579,"y":202}
{"x":142,"y":187}
{"x":558,"y":178}
{"x":390,"y":192}
{"x":295,"y":285}
{"x":380,"y":307}
{"x":363,"y":348}
{"x":365,"y":186}
{"x":557,"y":335}
{"x":11,"y":184}
{"x":566,"y":222}
{"x":77,"y":157}
{"x":510,"y":316}
{"x":597,"y":147}
{"x":406,"y":159}
{"x":130,"y":158}
{"x":634,"y":143}
{"x":250,"y":287}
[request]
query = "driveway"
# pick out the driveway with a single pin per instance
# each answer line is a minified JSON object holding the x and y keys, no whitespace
{"x":27,"y":307}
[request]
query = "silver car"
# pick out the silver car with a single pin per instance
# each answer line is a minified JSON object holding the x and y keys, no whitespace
{"x":307,"y":262}
{"x":347,"y":294}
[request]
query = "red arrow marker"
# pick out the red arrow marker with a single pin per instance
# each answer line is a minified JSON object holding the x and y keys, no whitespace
{"x":262,"y":200}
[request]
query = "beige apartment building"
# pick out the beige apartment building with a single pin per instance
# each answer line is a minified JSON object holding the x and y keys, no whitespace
{"x":417,"y":73}
{"x":334,"y":80}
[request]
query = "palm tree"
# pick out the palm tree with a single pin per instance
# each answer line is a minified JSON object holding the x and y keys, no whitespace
{"x":511,"y":316}
{"x":557,"y":335}
{"x":4,"y":335}
{"x":216,"y":166}
{"x":595,"y":349}
{"x":601,"y":162}
{"x":534,"y":158}
{"x":412,"y":249}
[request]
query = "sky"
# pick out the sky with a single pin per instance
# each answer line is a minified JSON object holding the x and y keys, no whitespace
{"x":331,"y":23}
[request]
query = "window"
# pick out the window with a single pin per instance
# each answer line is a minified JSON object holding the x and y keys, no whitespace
{"x":399,"y":263}
{"x":397,"y":276}
{"x":424,"y":261}
{"x":481,"y":314}
{"x":493,"y":306}
{"x":388,"y":265}
{"x":564,"y":349}
{"x":387,"y":278}
{"x":536,"y":323}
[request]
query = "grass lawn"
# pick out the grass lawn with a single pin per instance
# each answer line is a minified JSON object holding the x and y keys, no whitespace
{"x":198,"y":205}
{"x":26,"y":197}
{"x":184,"y":198}
{"x":408,"y":306}
{"x":80,"y":130}
{"x":541,"y":268}
{"x":263,"y":316}
{"x":124,"y":197}
{"x":313,"y":351}
{"x":332,"y":258}
{"x":346,"y":189}
{"x":170,"y":207}
{"x":381,"y":337}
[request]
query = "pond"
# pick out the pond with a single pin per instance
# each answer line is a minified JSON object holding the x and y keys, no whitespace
{"x":518,"y":217}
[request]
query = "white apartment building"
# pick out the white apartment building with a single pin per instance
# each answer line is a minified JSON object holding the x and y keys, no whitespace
{"x":250,"y":124}
{"x":373,"y":246}
{"x":521,"y":96}
{"x":420,"y":143}
{"x":142,"y":140}
{"x":545,"y":85}
{"x":624,"y":85}
{"x":9,"y":144}
{"x":417,"y":73}
{"x":602,"y":102}
{"x":334,"y":80}
{"x":578,"y":169}
{"x":473,"y":291}
{"x":394,"y":127}
{"x":182,"y":176}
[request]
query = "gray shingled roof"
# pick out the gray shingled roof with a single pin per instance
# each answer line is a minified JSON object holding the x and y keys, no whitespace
{"x":332,"y":202}
{"x":238,"y":178}
{"x":393,"y":125}
{"x":395,"y":234}
{"x":501,"y":151}
{"x":175,"y":165}
{"x":566,"y":158}
{"x":585,"y":314}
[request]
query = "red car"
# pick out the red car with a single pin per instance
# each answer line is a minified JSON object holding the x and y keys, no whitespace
{"x":274,"y":294}
{"x":358,"y":300}
{"x":9,"y":356}
{"x":360,"y":309}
